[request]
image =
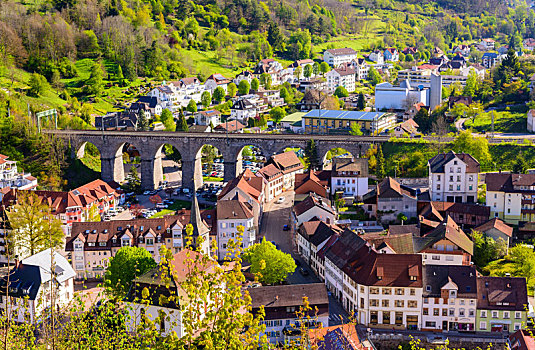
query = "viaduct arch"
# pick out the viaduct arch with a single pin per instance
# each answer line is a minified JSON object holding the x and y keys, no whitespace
{"x":149,"y":144}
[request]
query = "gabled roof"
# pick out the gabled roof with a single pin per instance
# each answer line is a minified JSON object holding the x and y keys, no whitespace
{"x":438,"y":162}
{"x":288,"y":295}
{"x":502,"y":293}
{"x":502,"y":182}
{"x":219,"y":79}
{"x":342,"y":52}
{"x":497,"y":224}
{"x":233,"y":210}
{"x":270,"y":172}
{"x":522,"y":339}
{"x":230,"y":126}
{"x":437,"y":276}
{"x":390,"y":188}
{"x":309,"y":182}
{"x":246,"y":182}
{"x":317,"y":231}
{"x":312,"y":201}
{"x":358,"y":165}
{"x":287,"y":162}
{"x":450,"y":231}
{"x":399,"y":243}
{"x":242,"y":105}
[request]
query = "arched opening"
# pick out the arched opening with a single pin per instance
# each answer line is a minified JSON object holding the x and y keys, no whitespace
{"x":89,"y":156}
{"x":208,"y":174}
{"x":250,"y":157}
{"x":171,"y":163}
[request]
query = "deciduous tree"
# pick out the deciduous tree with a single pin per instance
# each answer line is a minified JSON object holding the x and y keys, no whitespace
{"x":268,"y":263}
{"x":244,"y":87}
{"x":127,"y":264}
{"x":33,"y":226}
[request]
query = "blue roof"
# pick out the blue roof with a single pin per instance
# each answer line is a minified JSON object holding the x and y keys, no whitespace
{"x":490,"y":54}
{"x":344,"y":115}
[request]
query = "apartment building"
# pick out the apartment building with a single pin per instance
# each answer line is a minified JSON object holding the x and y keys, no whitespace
{"x":447,"y":244}
{"x":311,"y":238}
{"x":336,"y":57}
{"x":11,"y":178}
{"x":349,"y":176}
{"x":92,"y":244}
{"x":511,"y":197}
{"x":344,"y":77}
{"x":281,"y":306}
{"x":389,"y":199}
{"x":87,"y":202}
{"x":314,"y":206}
{"x":274,"y":179}
{"x":249,"y":188}
{"x":28,"y":285}
{"x":501,"y":304}
{"x":453,"y":177}
{"x":449,"y":298}
{"x":289,"y":164}
{"x":230,"y":215}
{"x":216,"y":80}
{"x":336,"y":121}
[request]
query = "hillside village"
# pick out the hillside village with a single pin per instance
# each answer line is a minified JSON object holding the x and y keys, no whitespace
{"x":270,"y":175}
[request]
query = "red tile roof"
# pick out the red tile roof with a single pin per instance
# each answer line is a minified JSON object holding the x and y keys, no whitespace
{"x":497,"y":224}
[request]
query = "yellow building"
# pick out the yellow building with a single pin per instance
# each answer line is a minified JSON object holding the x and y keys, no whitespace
{"x":323,"y":121}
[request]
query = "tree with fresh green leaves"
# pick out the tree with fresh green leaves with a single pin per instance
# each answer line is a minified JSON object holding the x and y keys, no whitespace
{"x":316,"y":69}
{"x":361,"y":102}
{"x":471,"y":85}
{"x":307,"y":71}
{"x":477,"y":147}
{"x":33,"y":226}
{"x":409,"y":58}
{"x":265,"y":80}
{"x":374,"y":77}
{"x":127,"y":264}
{"x":288,"y":98}
{"x":244,"y":87}
{"x":312,"y":160}
{"x":340,"y":92}
{"x":380,"y":171}
{"x":355,"y":130}
{"x":271,"y":265}
{"x":219,"y":94}
{"x":324,"y":68}
{"x":298,"y":71}
{"x":277,"y":114}
{"x":232,"y":88}
{"x":255,"y":84}
{"x":486,"y":249}
{"x":38,"y":84}
{"x":143,"y":121}
{"x":192,"y":106}
{"x":168,"y":120}
{"x":519,"y":262}
{"x":206,"y":99}
{"x":95,"y":83}
{"x":182,"y":124}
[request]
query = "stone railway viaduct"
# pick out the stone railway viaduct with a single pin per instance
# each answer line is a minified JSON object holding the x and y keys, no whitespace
{"x":149,"y":144}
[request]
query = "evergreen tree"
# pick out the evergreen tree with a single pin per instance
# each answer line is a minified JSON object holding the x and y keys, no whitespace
{"x":361,"y":102}
{"x":380,"y":167}
{"x":142,"y":123}
{"x":182,"y":125}
{"x":422,"y":119}
{"x":274,"y":37}
{"x":520,"y":166}
{"x":311,"y":156}
{"x":95,"y":83}
{"x":509,"y":67}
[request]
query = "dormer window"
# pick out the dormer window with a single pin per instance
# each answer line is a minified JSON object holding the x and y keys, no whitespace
{"x":102,"y":244}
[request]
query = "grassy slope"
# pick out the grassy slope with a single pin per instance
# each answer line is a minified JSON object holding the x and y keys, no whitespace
{"x":503,"y":122}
